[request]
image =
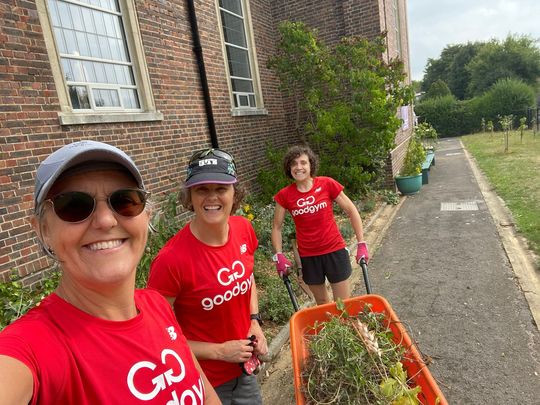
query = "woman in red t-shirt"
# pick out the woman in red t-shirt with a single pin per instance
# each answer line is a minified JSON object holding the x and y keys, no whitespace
{"x":321,"y":247}
{"x":96,"y":339}
{"x":206,"y":273}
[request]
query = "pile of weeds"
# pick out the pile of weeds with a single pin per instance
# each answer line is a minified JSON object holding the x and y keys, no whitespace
{"x":353,"y":360}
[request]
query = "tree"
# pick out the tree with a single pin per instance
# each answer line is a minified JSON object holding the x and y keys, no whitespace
{"x":517,"y":57}
{"x":349,"y":99}
{"x":451,"y":68}
{"x":506,"y":125}
{"x":437,"y":68}
{"x":416,"y":85}
{"x":438,"y":89}
{"x":458,"y":77}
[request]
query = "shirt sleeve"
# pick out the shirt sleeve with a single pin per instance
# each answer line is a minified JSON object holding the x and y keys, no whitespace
{"x":334,"y":188}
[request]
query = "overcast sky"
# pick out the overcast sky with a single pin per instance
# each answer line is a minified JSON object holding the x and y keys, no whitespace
{"x":434,"y":24}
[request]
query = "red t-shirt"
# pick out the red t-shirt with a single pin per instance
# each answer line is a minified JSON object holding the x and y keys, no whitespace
{"x":316,"y":230}
{"x":212,"y":286}
{"x":76,"y":358}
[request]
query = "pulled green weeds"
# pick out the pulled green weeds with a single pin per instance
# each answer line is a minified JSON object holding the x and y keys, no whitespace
{"x":353,"y":360}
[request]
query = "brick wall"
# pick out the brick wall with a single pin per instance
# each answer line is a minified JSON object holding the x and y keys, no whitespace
{"x":30,"y":129}
{"x":29,"y":103}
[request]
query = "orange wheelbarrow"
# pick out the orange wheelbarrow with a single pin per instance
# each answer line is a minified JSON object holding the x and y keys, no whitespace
{"x":302,"y":323}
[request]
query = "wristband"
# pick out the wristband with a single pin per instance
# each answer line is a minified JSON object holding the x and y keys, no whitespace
{"x":256,"y":317}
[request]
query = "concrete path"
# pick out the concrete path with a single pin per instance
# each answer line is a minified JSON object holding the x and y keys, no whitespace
{"x":444,"y":268}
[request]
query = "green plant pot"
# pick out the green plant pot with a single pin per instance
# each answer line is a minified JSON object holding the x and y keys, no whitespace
{"x":408,"y":185}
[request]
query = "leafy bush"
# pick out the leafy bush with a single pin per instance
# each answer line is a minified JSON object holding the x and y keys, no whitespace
{"x":390,"y":197}
{"x":426,"y":134}
{"x":262,"y":223}
{"x":443,"y":113}
{"x":451,"y":117}
{"x":413,"y":159}
{"x":16,"y":299}
{"x":275,"y":303}
{"x":348,"y":96}
{"x":165,"y":224}
{"x":271,"y":179}
{"x":438,"y":89}
{"x":507,"y":97}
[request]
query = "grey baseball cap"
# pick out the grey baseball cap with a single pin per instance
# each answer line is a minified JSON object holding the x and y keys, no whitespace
{"x":75,"y":154}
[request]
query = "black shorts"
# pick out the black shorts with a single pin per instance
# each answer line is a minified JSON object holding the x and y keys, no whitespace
{"x":334,"y":266}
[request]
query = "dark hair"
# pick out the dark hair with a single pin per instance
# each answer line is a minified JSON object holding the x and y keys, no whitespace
{"x":239,"y":193}
{"x":295,"y":152}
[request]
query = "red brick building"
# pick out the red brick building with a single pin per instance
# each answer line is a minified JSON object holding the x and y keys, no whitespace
{"x":127,"y":72}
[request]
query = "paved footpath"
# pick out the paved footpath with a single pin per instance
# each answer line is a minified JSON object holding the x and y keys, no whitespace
{"x":444,"y":270}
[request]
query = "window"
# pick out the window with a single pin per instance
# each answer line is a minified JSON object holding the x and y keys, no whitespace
{"x":397,"y":26}
{"x":100,"y":69}
{"x":240,"y":58}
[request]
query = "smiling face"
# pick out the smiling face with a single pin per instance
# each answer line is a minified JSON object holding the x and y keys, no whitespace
{"x":212,"y":203}
{"x":105,"y":248}
{"x":301,"y":168}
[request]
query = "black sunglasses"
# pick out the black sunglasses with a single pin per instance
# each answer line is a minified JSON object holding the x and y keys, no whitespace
{"x":76,"y":206}
{"x":211,"y":151}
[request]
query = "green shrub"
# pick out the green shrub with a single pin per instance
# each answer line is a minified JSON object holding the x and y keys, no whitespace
{"x":271,"y":179}
{"x":262,"y":223}
{"x":507,"y":97}
{"x":16,"y":299}
{"x":347,"y":98}
{"x":165,"y":224}
{"x":443,"y":113}
{"x":275,"y":303}
{"x":438,"y":89}
{"x":390,"y":197}
{"x":451,"y":117}
{"x":426,"y":134}
{"x":413,"y":159}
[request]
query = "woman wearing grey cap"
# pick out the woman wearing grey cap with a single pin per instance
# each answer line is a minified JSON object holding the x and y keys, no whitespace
{"x":206,"y":273}
{"x":96,"y":340}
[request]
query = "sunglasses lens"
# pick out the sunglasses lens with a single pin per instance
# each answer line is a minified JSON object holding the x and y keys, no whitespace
{"x":216,"y":152}
{"x":199,"y":155}
{"x":223,"y":155}
{"x":73,"y":206}
{"x":128,"y":203}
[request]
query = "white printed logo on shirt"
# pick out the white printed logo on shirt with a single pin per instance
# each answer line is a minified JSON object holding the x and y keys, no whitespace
{"x":229,"y":278}
{"x":172,"y":332}
{"x":174,"y":375}
{"x":307,"y":206}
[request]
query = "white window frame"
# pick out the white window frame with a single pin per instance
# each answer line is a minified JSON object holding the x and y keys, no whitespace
{"x":70,"y":116}
{"x":258,"y":109}
{"x":397,"y":26}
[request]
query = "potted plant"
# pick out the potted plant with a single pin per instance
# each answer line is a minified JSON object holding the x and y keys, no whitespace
{"x":427,"y":135}
{"x":409,"y":179}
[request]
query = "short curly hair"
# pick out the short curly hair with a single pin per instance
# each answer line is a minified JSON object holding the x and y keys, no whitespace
{"x":239,"y":193}
{"x":295,"y":152}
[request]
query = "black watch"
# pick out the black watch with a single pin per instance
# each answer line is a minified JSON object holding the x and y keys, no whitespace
{"x":257,"y":317}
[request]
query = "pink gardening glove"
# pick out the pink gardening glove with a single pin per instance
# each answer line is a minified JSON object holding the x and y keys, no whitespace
{"x":282,"y":264}
{"x":361,"y":251}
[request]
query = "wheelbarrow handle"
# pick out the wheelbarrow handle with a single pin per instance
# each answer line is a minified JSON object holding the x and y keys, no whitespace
{"x":363,"y":264}
{"x":291,"y":292}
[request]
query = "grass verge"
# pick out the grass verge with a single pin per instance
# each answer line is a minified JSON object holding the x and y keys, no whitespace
{"x":514,"y":175}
